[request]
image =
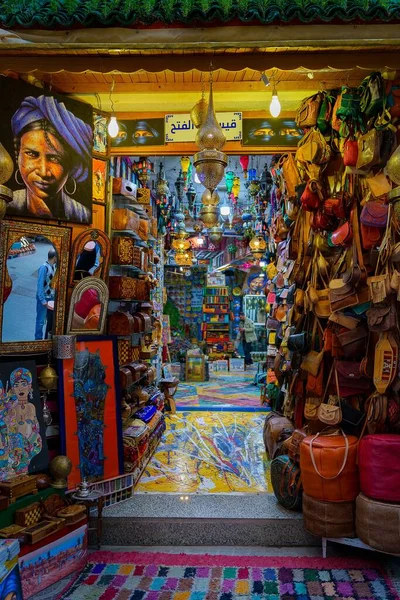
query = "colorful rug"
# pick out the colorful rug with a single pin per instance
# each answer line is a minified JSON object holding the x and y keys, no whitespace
{"x":209,"y":452}
{"x":159,"y":576}
{"x":224,"y":390}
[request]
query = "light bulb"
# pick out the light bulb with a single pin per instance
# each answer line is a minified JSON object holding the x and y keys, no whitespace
{"x":225,"y":210}
{"x":113,"y":128}
{"x":196,"y":178}
{"x":275,"y":106}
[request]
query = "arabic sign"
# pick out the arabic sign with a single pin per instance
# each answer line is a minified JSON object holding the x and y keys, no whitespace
{"x":179,"y":127}
{"x":270,"y":132}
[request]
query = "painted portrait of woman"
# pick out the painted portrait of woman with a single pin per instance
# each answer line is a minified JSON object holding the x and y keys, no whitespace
{"x":53,"y":155}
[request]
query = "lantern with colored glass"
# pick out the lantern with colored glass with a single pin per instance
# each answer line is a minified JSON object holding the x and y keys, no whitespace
{"x":252,"y":174}
{"x":191,"y":196}
{"x":258,"y":246}
{"x":180,"y":186}
{"x":184,"y":258}
{"x":180,"y":244}
{"x":244,"y":163}
{"x":229,"y":179}
{"x":185,"y":163}
{"x":236,"y":188}
{"x":143,"y":169}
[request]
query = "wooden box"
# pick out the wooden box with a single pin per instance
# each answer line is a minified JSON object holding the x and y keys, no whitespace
{"x":125,"y":351}
{"x":18,"y":486}
{"x":124,"y":219}
{"x":128,"y":288}
{"x":28,"y":516}
{"x":120,"y":323}
{"x":137,"y":257}
{"x":125,"y":377}
{"x":73,"y":514}
{"x":122,"y":250}
{"x":39,"y":531}
{"x":143,"y":195}
{"x":143,"y":231}
{"x":4,"y":502}
{"x":124,"y":187}
{"x":11,"y":531}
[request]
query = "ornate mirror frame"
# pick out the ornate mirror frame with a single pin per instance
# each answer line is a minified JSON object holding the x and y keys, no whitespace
{"x":90,"y":235}
{"x":87,"y":284}
{"x":11,"y":232}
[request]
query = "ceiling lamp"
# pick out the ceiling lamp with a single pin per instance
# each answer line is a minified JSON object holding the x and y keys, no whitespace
{"x":184,"y":259}
{"x":113,"y":128}
{"x":215,"y":234}
{"x":229,"y":178}
{"x":258,"y":246}
{"x":236,"y":187}
{"x":185,"y":164}
{"x":162,"y":183}
{"x":143,"y":169}
{"x":254,"y":187}
{"x":244,"y":163}
{"x":210,"y":162}
{"x":180,"y":244}
{"x":199,"y":111}
{"x":275,"y":106}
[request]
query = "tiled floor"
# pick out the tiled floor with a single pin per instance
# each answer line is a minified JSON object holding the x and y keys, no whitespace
{"x":209,"y":452}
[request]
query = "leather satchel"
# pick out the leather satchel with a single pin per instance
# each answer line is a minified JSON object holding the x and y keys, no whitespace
{"x":299,"y":342}
{"x":354,"y":342}
{"x":286,"y":482}
{"x":335,"y":207}
{"x":307,"y":113}
{"x":329,"y":412}
{"x":379,"y":185}
{"x":313,"y":359}
{"x":371,"y":237}
{"x":369,"y":146}
{"x":277,"y":429}
{"x":350,"y":379}
{"x":313,"y":148}
{"x":290,"y":172}
{"x":294,"y":443}
{"x":342,"y":297}
{"x":342,"y":236}
{"x":311,"y":197}
{"x":382,"y":317}
{"x":311,"y":408}
{"x":374,"y":214}
{"x":350,"y":152}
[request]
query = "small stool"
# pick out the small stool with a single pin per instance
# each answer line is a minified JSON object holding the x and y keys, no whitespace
{"x":168,"y":388}
{"x":95,"y":498}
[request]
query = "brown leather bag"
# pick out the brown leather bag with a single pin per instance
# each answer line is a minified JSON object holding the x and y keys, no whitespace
{"x":277,"y":429}
{"x":342,"y":296}
{"x":307,"y":113}
{"x":354,"y":342}
{"x":369,"y":149}
{"x":294,"y":443}
{"x":291,"y":173}
{"x":329,"y":467}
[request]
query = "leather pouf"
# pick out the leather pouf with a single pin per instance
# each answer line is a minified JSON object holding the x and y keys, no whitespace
{"x":378,"y":524}
{"x":329,"y":519}
{"x":330,"y":474}
{"x":379,"y":464}
{"x":286,"y":482}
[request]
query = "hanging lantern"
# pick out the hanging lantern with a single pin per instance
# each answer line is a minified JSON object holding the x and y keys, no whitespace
{"x":244,"y":163}
{"x":209,"y":215}
{"x":229,"y":179}
{"x":143,"y":168}
{"x":48,"y":377}
{"x":198,"y":227}
{"x":185,"y":162}
{"x":252,"y":174}
{"x":199,"y":112}
{"x":258,"y":246}
{"x":180,"y":244}
{"x":210,"y":199}
{"x":162,"y":183}
{"x":236,"y":187}
{"x":191,"y":196}
{"x":184,"y":258}
{"x":215,"y":234}
{"x":180,"y":186}
{"x":254,"y":187}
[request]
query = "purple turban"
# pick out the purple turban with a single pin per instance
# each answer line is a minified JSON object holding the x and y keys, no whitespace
{"x":75,"y":133}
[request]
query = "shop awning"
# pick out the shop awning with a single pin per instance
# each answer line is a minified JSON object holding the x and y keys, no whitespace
{"x":54,"y":14}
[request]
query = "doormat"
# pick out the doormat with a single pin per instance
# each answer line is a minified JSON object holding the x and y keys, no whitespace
{"x":159,"y":576}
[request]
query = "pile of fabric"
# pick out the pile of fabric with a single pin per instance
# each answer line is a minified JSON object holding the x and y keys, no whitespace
{"x":332,"y":302}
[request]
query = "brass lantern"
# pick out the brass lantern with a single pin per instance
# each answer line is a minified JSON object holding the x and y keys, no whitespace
{"x":209,"y":215}
{"x":258,"y":246}
{"x":184,"y":258}
{"x":180,"y":244}
{"x":210,"y":199}
{"x":199,"y":112}
{"x":215,"y":234}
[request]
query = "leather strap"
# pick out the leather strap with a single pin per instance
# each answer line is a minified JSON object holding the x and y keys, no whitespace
{"x":346,"y":454}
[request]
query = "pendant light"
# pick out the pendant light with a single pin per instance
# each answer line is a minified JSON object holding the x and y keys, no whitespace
{"x":113,"y":128}
{"x":225,"y":209}
{"x":244,"y":163}
{"x":275,"y":106}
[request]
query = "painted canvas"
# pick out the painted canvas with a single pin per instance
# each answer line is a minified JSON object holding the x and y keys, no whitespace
{"x":49,"y":138}
{"x":10,"y":587}
{"x":100,"y":134}
{"x":23,"y":447}
{"x":99,"y":180}
{"x":52,"y":563}
{"x":148,"y":132}
{"x":90,"y":414}
{"x":271,"y":132}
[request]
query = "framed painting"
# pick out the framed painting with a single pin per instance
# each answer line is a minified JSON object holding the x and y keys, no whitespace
{"x":90,"y":418}
{"x":88,"y":308}
{"x":139,"y":132}
{"x":33,"y":278}
{"x":100,"y":173}
{"x":90,"y":256}
{"x":49,"y":140}
{"x":274,"y":133}
{"x":101,"y":138}
{"x":23,"y":446}
{"x":10,"y":586}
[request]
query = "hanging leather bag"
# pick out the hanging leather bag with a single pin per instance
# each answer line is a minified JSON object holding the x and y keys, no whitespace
{"x":374,"y":214}
{"x":369,"y":146}
{"x":386,"y":362}
{"x":350,"y":152}
{"x":286,"y":482}
{"x":354,"y":342}
{"x":291,"y":174}
{"x":307,"y":113}
{"x":312,"y":360}
{"x":350,"y":378}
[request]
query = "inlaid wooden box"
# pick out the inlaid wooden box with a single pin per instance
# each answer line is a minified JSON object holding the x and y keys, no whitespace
{"x":18,"y":486}
{"x":123,"y":249}
{"x":143,"y":195}
{"x":40,"y":530}
{"x":28,"y":516}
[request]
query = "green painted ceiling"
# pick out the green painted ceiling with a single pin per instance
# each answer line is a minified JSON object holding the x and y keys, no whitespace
{"x":52,"y":14}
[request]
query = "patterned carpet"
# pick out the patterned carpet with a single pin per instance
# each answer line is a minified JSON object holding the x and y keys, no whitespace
{"x":225,"y":390}
{"x":145,"y":576}
{"x":209,"y":452}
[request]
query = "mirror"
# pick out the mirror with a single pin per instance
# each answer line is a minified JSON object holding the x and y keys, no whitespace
{"x":33,"y":268}
{"x":88,"y":309}
{"x":90,"y":256}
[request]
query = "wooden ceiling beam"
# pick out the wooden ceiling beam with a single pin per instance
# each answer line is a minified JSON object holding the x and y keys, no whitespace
{"x":179,"y":63}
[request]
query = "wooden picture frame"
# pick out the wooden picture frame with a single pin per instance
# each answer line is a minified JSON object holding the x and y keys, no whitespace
{"x":101,"y":137}
{"x":100,"y":180}
{"x":95,"y":445}
{"x":101,"y":244}
{"x":195,"y":368}
{"x":91,"y":295}
{"x":11,"y":233}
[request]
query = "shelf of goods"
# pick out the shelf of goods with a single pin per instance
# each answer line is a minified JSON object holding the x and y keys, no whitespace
{"x":216,"y":324}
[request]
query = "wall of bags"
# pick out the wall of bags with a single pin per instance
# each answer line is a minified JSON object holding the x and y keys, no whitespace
{"x":333,"y":371}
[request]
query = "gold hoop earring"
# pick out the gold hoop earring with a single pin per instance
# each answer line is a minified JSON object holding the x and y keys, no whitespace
{"x":73,"y":191}
{"x":16,"y":178}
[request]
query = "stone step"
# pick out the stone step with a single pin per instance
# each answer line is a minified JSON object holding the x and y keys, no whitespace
{"x":203,"y":520}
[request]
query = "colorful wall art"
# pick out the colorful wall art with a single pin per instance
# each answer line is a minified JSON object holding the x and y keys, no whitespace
{"x":23,"y":445}
{"x":91,"y":422}
{"x":270,"y":132}
{"x":144,"y":132}
{"x":99,"y":180}
{"x":49,"y":138}
{"x":10,"y":587}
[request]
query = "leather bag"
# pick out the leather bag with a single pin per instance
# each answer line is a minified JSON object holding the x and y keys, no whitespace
{"x":378,"y":524}
{"x":350,"y":379}
{"x":311,"y":198}
{"x":335,"y":207}
{"x":329,"y":519}
{"x":294,"y":444}
{"x":311,"y":406}
{"x":379,"y":464}
{"x":299,"y":342}
{"x":382,"y":317}
{"x":307,"y":113}
{"x":312,"y":360}
{"x":369,"y":146}
{"x":343,"y":296}
{"x":374,"y":214}
{"x":352,"y":418}
{"x":313,"y":149}
{"x":379,"y":185}
{"x":350,"y":152}
{"x":330,"y":412}
{"x":291,"y":174}
{"x":329,"y":467}
{"x":386,"y":362}
{"x":286,"y":482}
{"x":354,"y":342}
{"x":371,"y":237}
{"x":277,"y":429}
{"x":342,"y":236}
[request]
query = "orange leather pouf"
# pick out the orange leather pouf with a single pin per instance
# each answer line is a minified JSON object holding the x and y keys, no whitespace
{"x":329,"y":519}
{"x":329,"y":467}
{"x":378,"y":524}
